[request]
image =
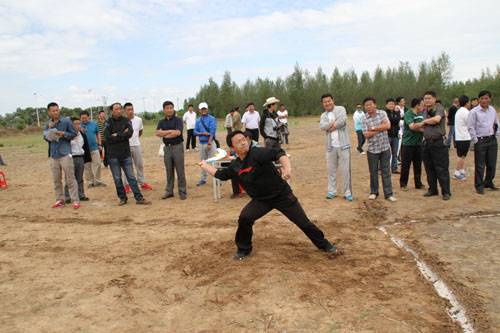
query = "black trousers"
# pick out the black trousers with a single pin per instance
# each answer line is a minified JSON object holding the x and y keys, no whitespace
{"x":191,"y":139}
{"x":255,"y":134}
{"x":235,"y":184}
{"x":485,"y":155}
{"x":411,"y":155}
{"x":361,"y":141}
{"x":437,"y":163}
{"x":286,"y":204}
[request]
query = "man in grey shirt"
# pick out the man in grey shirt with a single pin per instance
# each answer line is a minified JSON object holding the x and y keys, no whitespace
{"x":436,"y":154}
{"x":338,"y":147}
{"x":483,"y":128}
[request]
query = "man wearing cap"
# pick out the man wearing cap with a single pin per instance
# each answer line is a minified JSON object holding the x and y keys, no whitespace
{"x":205,"y":128}
{"x":268,"y":189}
{"x":251,"y":121}
{"x":268,"y":124}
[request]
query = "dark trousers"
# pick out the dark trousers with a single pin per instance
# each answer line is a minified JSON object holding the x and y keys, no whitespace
{"x":191,"y":139}
{"x":117,"y":165}
{"x":104,"y":155}
{"x":361,"y":141}
{"x":235,"y":184}
{"x":394,"y":142}
{"x":255,"y":134}
{"x":79,"y":165}
{"x":437,"y":162}
{"x":485,"y":155}
{"x":376,"y":162}
{"x":173,"y":158}
{"x":286,"y":204}
{"x":411,"y":155}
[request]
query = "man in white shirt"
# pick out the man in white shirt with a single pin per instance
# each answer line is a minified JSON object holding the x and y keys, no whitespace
{"x":189,"y":118}
{"x":251,"y":120}
{"x":462,"y":136}
{"x":283,"y":118}
{"x":135,"y":148}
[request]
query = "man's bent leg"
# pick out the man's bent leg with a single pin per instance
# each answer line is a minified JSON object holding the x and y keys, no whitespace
{"x":254,"y":210}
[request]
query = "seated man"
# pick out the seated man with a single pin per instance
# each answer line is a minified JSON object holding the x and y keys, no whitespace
{"x":259,"y":177}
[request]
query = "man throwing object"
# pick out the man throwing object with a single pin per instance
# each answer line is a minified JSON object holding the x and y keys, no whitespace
{"x":259,"y":177}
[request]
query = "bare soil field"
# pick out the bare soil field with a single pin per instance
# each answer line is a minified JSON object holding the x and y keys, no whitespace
{"x":168,"y":267}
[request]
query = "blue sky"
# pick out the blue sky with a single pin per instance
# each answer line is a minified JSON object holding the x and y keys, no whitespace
{"x":151,"y":50}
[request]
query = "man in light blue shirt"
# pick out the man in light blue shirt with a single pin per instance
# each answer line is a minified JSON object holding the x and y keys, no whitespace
{"x":358,"y":127}
{"x":58,"y":133}
{"x":482,"y":123}
{"x":205,"y":129}
{"x":93,"y":168}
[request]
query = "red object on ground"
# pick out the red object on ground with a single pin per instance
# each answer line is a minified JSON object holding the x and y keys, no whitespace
{"x":127,"y":188}
{"x":146,"y":186}
{"x":3,"y":180}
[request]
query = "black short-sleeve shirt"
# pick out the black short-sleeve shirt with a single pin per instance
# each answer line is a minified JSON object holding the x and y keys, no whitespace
{"x":257,"y":173}
{"x":173,"y":123}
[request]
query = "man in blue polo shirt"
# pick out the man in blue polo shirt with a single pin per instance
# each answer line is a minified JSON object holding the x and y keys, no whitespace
{"x":93,"y":168}
{"x":205,"y":129}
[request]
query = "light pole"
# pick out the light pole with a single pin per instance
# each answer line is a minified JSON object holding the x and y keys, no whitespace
{"x":90,"y":97}
{"x":36,"y":109}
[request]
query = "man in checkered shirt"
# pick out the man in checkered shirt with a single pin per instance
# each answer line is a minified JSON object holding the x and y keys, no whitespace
{"x":375,"y":124}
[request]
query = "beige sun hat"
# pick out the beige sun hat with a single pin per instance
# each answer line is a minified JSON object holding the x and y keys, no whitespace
{"x":271,"y":100}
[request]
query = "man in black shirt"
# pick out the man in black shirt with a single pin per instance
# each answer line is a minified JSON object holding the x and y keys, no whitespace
{"x":451,"y":121}
{"x":268,"y":189}
{"x":170,"y":130}
{"x":117,"y":132}
{"x":393,"y":132}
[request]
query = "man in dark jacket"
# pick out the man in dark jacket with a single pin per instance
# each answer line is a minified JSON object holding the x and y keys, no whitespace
{"x":268,"y":189}
{"x":393,"y":132}
{"x":117,"y":133}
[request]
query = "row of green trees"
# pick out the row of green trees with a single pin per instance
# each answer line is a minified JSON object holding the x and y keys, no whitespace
{"x":301,"y":90}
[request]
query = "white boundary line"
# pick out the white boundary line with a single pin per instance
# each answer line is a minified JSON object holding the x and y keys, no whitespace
{"x":456,"y":311}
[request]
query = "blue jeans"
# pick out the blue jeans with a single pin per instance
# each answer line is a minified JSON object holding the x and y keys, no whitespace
{"x":394,"y":142}
{"x":451,"y":136}
{"x":116,"y":165}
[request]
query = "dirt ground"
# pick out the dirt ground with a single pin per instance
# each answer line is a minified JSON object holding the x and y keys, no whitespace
{"x":168,"y":267}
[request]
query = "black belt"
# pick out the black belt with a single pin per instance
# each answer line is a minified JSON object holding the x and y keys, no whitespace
{"x":172,"y":144}
{"x":430,"y":140}
{"x":485,"y":137}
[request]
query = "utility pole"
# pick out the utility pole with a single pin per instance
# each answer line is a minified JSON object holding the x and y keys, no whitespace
{"x":91,"y":100}
{"x":36,"y":109}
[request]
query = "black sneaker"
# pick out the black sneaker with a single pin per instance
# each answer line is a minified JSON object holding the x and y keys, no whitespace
{"x":183,"y":197}
{"x":166,"y":196}
{"x":122,"y":202}
{"x":143,"y":202}
{"x":429,"y":194}
{"x":492,"y":187}
{"x":240,"y":255}
{"x":446,"y":197}
{"x":84,"y":199}
{"x":480,"y":191}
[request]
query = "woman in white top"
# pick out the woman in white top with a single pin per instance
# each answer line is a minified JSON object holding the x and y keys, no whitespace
{"x":462,"y":136}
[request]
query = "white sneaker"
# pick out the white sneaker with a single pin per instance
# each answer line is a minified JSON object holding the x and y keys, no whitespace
{"x":392,"y":199}
{"x":372,"y":197}
{"x":363,"y":153}
{"x":187,"y":150}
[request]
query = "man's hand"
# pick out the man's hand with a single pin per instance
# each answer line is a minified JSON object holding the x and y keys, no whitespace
{"x":126,"y":130}
{"x":60,"y":133}
{"x":203,"y":164}
{"x":114,"y":134}
{"x":286,"y":173}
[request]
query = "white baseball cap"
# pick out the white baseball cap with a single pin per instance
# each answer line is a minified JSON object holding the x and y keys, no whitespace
{"x":202,"y":105}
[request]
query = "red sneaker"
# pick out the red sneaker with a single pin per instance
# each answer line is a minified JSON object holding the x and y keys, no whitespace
{"x":127,"y":189}
{"x":76,"y":205}
{"x":146,"y":186}
{"x":58,"y":204}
